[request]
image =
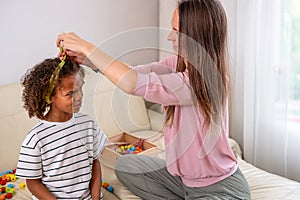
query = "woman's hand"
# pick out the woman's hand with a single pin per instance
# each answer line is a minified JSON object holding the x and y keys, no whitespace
{"x":87,"y":54}
{"x":75,"y":48}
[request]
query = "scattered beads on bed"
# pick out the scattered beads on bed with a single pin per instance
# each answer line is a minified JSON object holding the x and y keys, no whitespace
{"x":7,"y":189}
{"x":22,"y":185}
{"x":107,"y":186}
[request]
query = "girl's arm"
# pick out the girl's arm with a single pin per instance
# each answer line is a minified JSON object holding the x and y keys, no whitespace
{"x":36,"y":187}
{"x":95,"y":185}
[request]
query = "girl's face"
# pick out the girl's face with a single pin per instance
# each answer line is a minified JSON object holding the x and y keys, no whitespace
{"x":173,"y":36}
{"x":68,"y":96}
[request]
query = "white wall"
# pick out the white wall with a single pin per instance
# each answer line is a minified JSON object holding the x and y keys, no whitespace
{"x":166,"y":9}
{"x":29,"y":29}
{"x":236,"y":101}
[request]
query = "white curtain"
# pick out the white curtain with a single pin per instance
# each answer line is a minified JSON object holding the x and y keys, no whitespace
{"x":271,"y":140}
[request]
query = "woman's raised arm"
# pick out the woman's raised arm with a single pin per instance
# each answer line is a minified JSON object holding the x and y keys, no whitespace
{"x":88,"y":54}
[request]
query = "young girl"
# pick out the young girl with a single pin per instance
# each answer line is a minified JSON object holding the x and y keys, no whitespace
{"x":59,"y":156}
{"x":193,"y":86}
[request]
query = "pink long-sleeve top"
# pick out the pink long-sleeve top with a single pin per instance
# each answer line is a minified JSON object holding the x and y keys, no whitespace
{"x":200,"y":159}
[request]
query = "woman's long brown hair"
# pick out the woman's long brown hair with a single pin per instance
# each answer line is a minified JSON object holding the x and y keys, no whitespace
{"x":203,"y":53}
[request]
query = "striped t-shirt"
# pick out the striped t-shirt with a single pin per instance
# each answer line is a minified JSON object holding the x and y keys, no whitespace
{"x":61,"y":154}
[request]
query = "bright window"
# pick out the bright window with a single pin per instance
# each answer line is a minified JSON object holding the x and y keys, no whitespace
{"x":288,"y":79}
{"x":294,"y":78}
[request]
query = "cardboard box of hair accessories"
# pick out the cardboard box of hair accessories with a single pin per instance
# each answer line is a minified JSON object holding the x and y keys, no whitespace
{"x":125,"y":143}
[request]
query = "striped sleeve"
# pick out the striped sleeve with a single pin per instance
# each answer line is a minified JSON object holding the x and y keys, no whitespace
{"x":99,"y":141}
{"x":29,"y":164}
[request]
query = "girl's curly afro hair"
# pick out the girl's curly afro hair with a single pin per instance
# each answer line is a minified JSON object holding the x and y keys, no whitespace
{"x":36,"y":80}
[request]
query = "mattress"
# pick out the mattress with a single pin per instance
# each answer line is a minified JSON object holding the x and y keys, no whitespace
{"x":264,"y":185}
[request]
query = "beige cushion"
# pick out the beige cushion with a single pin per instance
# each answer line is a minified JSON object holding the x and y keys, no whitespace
{"x":14,"y":124}
{"x":114,"y":110}
{"x":117,"y":111}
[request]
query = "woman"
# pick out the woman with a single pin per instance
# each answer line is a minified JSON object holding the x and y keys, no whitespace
{"x":193,"y":87}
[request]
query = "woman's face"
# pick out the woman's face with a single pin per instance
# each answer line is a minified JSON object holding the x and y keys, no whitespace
{"x":173,"y":36}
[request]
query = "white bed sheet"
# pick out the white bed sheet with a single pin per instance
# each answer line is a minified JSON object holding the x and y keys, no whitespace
{"x":265,"y":185}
